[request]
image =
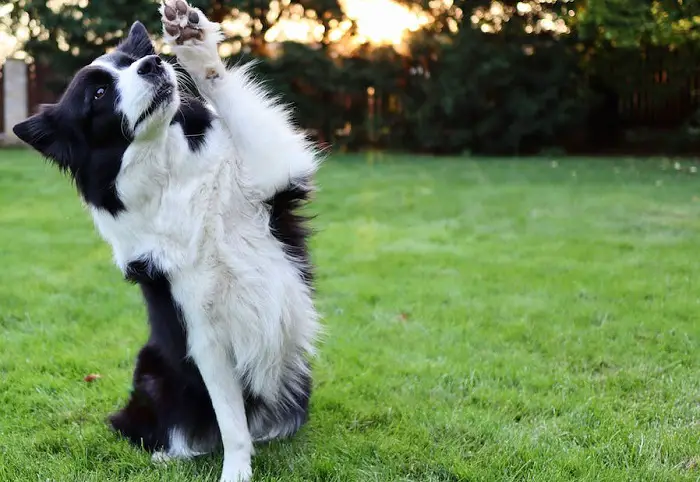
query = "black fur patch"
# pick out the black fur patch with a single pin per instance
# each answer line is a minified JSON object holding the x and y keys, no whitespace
{"x":284,"y":418}
{"x":119,"y":59}
{"x":162,"y":399}
{"x":137,"y":44}
{"x":290,"y":227}
{"x":144,"y":272}
{"x":168,"y":390}
{"x":195,"y":120}
{"x":83,"y":136}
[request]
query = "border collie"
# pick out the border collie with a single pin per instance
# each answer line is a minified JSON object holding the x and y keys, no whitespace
{"x":198,"y":198}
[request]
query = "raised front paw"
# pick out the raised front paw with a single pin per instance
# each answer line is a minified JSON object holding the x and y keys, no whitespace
{"x":181,"y":22}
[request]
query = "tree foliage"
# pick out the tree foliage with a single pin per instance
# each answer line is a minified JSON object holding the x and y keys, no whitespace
{"x":635,"y":23}
{"x":513,"y":76}
{"x":68,"y":35}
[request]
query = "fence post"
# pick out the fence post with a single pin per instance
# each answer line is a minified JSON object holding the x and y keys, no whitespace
{"x":16,"y":94}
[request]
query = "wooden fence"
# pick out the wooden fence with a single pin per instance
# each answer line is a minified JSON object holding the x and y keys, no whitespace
{"x":656,"y":108}
{"x":38,"y":81}
{"x":655,"y":88}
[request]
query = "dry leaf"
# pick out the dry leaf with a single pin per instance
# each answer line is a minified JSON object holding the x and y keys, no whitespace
{"x":92,"y":377}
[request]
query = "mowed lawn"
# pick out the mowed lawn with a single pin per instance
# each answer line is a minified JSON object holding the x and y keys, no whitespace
{"x":487,"y":320}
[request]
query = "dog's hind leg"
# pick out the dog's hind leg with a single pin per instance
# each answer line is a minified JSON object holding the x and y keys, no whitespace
{"x":272,"y":154}
{"x":169,"y":412}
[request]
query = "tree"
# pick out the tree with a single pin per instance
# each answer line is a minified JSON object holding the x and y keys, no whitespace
{"x":71,"y":34}
{"x":68,"y":36}
{"x":636,"y":48}
{"x":263,"y":14}
{"x":634,"y":23}
{"x":326,"y":11}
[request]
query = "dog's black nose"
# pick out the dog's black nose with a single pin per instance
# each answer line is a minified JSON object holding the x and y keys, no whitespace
{"x":150,"y":65}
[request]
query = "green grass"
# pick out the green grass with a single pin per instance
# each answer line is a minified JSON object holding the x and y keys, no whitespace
{"x":488,"y":320}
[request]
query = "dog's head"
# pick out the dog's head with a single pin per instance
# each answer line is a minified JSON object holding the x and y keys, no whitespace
{"x":126,"y":95}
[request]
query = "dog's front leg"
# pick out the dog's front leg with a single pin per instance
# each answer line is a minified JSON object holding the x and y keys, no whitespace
{"x":271,"y":152}
{"x":226,"y":392}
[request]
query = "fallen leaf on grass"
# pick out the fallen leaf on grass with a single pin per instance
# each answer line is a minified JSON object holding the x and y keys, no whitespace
{"x":92,"y":377}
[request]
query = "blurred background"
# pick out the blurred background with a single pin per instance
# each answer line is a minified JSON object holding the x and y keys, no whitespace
{"x":440,"y":76}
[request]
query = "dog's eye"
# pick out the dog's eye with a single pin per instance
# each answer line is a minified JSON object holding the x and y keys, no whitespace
{"x":100,"y":92}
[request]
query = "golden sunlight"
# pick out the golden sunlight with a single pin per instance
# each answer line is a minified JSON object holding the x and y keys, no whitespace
{"x":383,"y":22}
{"x":379,"y":22}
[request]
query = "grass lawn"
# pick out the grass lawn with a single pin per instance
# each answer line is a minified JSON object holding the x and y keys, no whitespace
{"x":488,"y":320}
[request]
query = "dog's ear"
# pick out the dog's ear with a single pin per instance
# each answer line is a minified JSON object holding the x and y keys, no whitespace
{"x":138,"y":43}
{"x":40,"y":131}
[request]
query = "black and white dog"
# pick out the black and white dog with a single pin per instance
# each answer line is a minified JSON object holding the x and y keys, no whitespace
{"x":199,"y":201}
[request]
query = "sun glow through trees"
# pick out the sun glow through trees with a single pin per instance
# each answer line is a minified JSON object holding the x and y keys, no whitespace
{"x":377,"y":22}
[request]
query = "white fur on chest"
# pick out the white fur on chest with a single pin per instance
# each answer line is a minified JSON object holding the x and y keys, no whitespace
{"x":195,"y":219}
{"x":168,"y":192}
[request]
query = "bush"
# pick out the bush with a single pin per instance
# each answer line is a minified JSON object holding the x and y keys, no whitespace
{"x":494,"y":97}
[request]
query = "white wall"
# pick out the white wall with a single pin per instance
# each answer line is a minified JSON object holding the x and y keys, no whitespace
{"x":15,"y":96}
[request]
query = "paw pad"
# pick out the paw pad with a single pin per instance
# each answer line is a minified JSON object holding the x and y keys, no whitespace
{"x":181,"y":21}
